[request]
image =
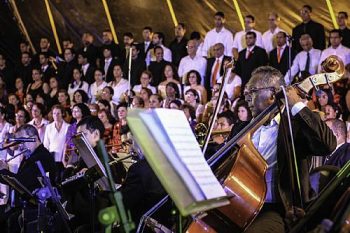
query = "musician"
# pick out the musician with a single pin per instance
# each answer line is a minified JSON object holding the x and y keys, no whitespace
{"x":28,"y":170}
{"x":311,"y":136}
{"x":78,"y":195}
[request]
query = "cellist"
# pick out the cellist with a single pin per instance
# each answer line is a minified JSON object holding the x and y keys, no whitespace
{"x":311,"y":136}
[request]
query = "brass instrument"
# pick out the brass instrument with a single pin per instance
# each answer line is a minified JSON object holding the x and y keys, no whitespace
{"x":201,"y":132}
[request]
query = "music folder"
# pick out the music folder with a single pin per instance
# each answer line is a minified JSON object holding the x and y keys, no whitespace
{"x":91,"y":159}
{"x":19,"y":187}
{"x":171,"y":149}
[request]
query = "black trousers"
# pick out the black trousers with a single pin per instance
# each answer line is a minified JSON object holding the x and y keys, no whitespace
{"x":269,"y":220}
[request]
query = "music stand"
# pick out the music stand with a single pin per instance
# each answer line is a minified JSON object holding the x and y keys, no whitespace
{"x":20,"y":188}
{"x":90,"y":158}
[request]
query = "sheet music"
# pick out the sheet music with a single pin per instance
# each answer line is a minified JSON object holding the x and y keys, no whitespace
{"x":188,"y":150}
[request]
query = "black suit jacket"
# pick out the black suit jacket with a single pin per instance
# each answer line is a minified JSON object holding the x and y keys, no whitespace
{"x":315,"y":30}
{"x":245,"y":66}
{"x":141,"y":190}
{"x":137,"y":67}
{"x":28,"y":170}
{"x":142,"y":46}
{"x":65,"y":73}
{"x":109,"y":75}
{"x":49,"y":72}
{"x":157,"y":69}
{"x":210,"y":64}
{"x":283,"y":65}
{"x":89,"y":75}
{"x":339,"y":157}
{"x":311,"y":136}
{"x":25,"y":72}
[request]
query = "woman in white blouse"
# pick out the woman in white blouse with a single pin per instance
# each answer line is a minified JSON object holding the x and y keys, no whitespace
{"x":119,"y":84}
{"x":77,"y":83}
{"x":55,"y":136}
{"x":145,"y":80}
{"x":97,"y":86}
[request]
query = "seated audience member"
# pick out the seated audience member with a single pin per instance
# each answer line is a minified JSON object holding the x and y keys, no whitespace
{"x":342,"y":20}
{"x":97,"y":87}
{"x":14,"y":100}
{"x":192,"y":98}
{"x":70,"y":157}
{"x":331,"y":112}
{"x":193,"y":81}
{"x":20,"y":90}
{"x":94,"y":108}
{"x":172,"y":92}
{"x":169,"y":75}
{"x":38,"y":120}
{"x":87,"y":69}
{"x":119,"y":84}
{"x":145,"y":80}
{"x":341,"y":155}
{"x":175,"y":104}
{"x":233,"y":86}
{"x":242,"y":112}
{"x":77,"y":83}
{"x":55,"y":137}
{"x":158,"y":42}
{"x":106,"y":118}
{"x":324,"y":97}
{"x":80,"y":96}
{"x":305,"y":62}
{"x":190,"y":114}
{"x":155,"y":101}
{"x":137,"y":102}
{"x":145,"y":94}
{"x":192,"y":62}
{"x":138,"y":65}
{"x":121,"y":132}
{"x":36,"y":86}
{"x":157,"y":67}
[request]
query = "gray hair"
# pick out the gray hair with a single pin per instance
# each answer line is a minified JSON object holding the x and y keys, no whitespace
{"x":266,"y":77}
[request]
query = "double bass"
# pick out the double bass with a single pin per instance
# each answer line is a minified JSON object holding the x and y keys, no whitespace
{"x":241,"y":169}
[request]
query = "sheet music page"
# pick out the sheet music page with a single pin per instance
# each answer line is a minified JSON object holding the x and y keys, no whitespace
{"x":189,"y":152}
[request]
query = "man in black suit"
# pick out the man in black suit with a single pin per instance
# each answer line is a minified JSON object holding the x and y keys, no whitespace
{"x":178,"y":45}
{"x":146,"y":45}
{"x":46,"y":68}
{"x":314,"y":29}
{"x":342,"y":20}
{"x":86,"y":68}
{"x":157,"y":67}
{"x":311,"y":136}
{"x":107,"y":63}
{"x":28,"y":171}
{"x":138,"y":65}
{"x":215,"y":67}
{"x":24,"y":69}
{"x":91,"y":50}
{"x":341,"y":155}
{"x":7,"y":73}
{"x":250,"y":58}
{"x":65,"y":69}
{"x":279,"y":57}
{"x":107,"y":40}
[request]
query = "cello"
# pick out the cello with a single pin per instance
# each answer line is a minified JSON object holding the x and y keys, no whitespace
{"x":241,"y":169}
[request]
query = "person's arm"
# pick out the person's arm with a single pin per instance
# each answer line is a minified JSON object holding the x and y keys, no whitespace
{"x":317,"y":135}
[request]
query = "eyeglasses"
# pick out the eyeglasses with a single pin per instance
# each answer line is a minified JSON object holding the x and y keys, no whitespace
{"x":249,"y":93}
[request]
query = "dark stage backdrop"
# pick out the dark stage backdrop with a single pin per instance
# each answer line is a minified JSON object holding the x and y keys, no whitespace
{"x":74,"y":17}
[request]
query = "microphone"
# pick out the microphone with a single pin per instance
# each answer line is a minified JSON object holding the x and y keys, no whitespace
{"x":20,"y":140}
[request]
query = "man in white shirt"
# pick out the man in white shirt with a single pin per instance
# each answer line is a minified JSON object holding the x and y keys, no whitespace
{"x":218,"y":35}
{"x":335,"y":48}
{"x":158,"y":40}
{"x":239,"y":42}
{"x":305,"y":62}
{"x":269,"y":37}
{"x":192,"y":62}
{"x":199,"y":42}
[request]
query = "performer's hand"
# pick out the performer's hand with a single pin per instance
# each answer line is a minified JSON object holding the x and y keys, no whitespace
{"x":3,"y":165}
{"x":292,"y":96}
{"x":295,"y":213}
{"x":82,"y":171}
